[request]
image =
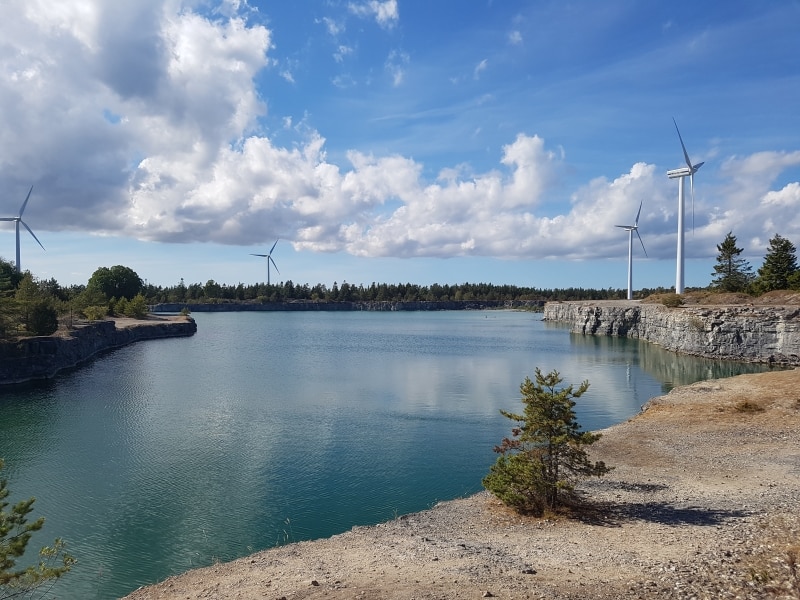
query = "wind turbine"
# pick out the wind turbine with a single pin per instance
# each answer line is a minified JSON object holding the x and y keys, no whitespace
{"x":630,"y":229}
{"x":269,"y":259}
{"x":17,"y":220}
{"x":681,"y":174}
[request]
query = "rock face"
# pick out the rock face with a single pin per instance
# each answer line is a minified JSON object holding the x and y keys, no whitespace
{"x":764,"y":334}
{"x":43,"y":357}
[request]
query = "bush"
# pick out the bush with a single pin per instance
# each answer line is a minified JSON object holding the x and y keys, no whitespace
{"x":672,"y":300}
{"x":42,"y":319}
{"x":95,"y":313}
{"x":136,"y":308}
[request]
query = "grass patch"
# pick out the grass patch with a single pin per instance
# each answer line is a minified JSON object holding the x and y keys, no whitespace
{"x":748,"y":406}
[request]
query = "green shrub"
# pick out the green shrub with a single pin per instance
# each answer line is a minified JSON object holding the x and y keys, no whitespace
{"x":95,"y":313}
{"x":42,"y":319}
{"x":136,"y":308}
{"x":672,"y":300}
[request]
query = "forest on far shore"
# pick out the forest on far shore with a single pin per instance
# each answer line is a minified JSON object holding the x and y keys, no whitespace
{"x":32,"y":306}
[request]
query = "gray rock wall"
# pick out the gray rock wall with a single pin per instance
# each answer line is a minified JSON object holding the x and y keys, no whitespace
{"x":766,"y":334}
{"x":43,"y":357}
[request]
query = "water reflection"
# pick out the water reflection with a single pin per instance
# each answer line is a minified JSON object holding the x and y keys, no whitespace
{"x":670,"y":368}
{"x":267,"y":427}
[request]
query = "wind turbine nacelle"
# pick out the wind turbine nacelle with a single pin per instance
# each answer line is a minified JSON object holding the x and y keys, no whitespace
{"x":682,"y":172}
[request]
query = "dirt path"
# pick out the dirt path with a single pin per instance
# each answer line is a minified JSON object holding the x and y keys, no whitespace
{"x":703,"y":503}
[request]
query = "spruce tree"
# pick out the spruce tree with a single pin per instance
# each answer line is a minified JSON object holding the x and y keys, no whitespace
{"x":540,"y":464}
{"x":733,"y":274}
{"x":779,"y":270}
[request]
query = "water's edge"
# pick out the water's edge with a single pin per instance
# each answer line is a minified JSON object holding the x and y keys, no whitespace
{"x":756,"y":334}
{"x":43,"y":357}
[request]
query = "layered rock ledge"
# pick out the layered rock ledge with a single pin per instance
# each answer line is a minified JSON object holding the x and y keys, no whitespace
{"x":751,"y":333}
{"x":33,"y":358}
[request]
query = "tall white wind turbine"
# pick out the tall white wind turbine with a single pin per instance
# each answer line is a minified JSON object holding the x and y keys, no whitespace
{"x":269,"y":259}
{"x":681,"y":174}
{"x":630,"y":229}
{"x":17,"y":220}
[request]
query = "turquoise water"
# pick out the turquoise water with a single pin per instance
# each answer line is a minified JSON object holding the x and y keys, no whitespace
{"x":267,"y":428}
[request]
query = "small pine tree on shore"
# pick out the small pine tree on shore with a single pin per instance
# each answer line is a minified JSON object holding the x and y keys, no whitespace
{"x":15,"y":533}
{"x":545,"y":456}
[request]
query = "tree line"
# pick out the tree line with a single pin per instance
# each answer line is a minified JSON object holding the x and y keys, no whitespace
{"x":288,"y":291}
{"x":32,"y":306}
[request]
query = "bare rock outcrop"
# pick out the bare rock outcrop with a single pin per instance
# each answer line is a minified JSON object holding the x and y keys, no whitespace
{"x":763,"y":334}
{"x":43,"y":357}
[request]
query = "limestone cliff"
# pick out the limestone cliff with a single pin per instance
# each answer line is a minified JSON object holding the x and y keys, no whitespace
{"x":766,"y":334}
{"x":33,"y":358}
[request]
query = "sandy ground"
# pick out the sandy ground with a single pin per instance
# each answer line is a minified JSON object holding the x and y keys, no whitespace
{"x":703,"y":503}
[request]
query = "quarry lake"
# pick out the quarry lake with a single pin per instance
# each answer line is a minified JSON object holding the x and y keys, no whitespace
{"x":274,"y":427}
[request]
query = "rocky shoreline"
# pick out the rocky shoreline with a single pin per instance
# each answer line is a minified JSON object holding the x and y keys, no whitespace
{"x":702,"y":503}
{"x":35,"y":358}
{"x":744,"y":332}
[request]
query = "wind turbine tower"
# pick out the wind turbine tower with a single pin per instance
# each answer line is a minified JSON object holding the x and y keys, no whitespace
{"x":269,"y":259}
{"x":681,"y":174}
{"x":630,"y":229}
{"x":17,"y":220}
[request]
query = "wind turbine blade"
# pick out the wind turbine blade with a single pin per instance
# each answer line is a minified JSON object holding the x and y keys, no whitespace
{"x":640,"y":240}
{"x":33,"y":234}
{"x":697,"y":166}
{"x":270,"y":259}
{"x":636,"y":222}
{"x":685,"y":154}
{"x":273,"y":246}
{"x":24,"y":204}
{"x":261,"y":255}
{"x":8,"y":218}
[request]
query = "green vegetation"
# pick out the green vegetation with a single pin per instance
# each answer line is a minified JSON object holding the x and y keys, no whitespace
{"x":540,"y":464}
{"x":116,"y":282}
{"x":29,"y":306}
{"x":732,"y":274}
{"x":213,"y":292}
{"x":671,"y":300}
{"x":15,"y":533}
{"x":779,"y":271}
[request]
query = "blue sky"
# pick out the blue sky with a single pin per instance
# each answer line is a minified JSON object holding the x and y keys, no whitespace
{"x":395,"y":141}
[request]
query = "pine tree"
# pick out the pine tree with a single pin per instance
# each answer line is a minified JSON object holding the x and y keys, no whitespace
{"x":779,"y":270}
{"x":733,"y":274}
{"x":545,"y":457}
{"x":15,"y":533}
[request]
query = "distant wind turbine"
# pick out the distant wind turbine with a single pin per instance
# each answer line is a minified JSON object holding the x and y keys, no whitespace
{"x":630,"y":229}
{"x":17,"y":220}
{"x":688,"y":171}
{"x":269,"y":259}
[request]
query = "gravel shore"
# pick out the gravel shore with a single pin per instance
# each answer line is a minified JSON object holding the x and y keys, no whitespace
{"x":703,"y":502}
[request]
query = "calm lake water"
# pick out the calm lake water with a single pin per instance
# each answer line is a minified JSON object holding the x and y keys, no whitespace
{"x":267,"y":428}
